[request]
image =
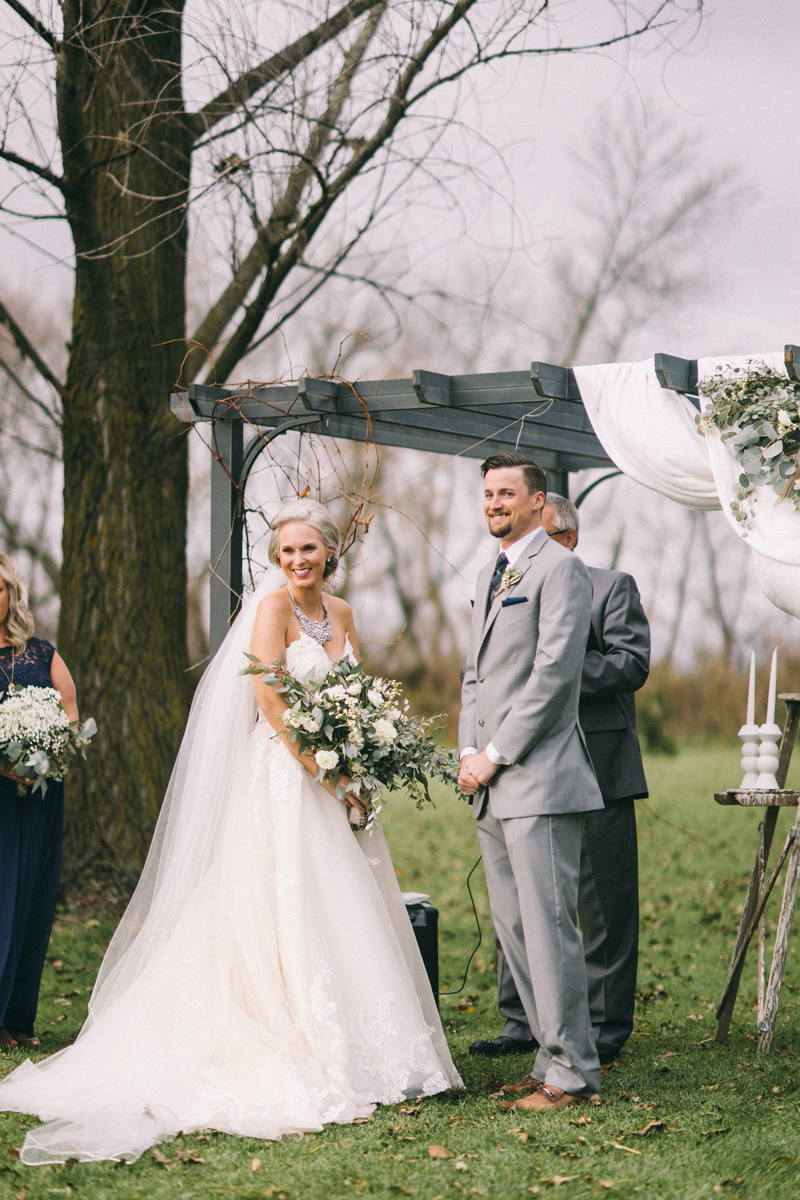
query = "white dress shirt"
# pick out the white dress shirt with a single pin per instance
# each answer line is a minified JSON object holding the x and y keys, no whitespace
{"x":512,"y":553}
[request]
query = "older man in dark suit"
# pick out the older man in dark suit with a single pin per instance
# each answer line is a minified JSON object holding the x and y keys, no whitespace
{"x":615,"y":666}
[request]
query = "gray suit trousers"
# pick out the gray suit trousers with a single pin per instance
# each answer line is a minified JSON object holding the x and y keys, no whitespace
{"x":532,"y":872}
{"x":608,"y":910}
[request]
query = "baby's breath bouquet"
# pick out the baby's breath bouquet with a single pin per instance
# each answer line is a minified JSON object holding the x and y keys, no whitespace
{"x":759,"y":410}
{"x":357,"y":725}
{"x":37,"y":739}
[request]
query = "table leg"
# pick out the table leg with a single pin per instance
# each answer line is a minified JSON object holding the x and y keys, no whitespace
{"x":730,"y":991}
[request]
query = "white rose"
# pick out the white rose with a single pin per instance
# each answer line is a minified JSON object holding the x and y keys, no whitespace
{"x":394,"y":714}
{"x":355,"y":689}
{"x":385,"y":730}
{"x":337,"y":692}
{"x":784,"y":418}
{"x":327,"y":759}
{"x":309,"y":724}
{"x":375,"y":697}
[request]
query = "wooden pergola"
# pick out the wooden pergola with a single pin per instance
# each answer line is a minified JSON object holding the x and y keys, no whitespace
{"x":538,"y":410}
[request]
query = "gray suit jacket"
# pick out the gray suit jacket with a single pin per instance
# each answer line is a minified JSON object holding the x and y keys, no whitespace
{"x":521,"y":684}
{"x":616,"y":665}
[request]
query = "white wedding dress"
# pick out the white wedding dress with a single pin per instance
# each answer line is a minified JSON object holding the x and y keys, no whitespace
{"x":270,"y":986}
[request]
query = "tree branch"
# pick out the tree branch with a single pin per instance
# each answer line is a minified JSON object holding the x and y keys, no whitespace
{"x":271,"y":69}
{"x":29,"y":351}
{"x":284,"y":213}
{"x":43,"y":172}
{"x":16,"y":538}
{"x":28,"y":394}
{"x":35,"y":24}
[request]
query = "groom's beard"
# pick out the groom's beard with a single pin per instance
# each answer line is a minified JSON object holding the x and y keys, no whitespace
{"x":500,"y":530}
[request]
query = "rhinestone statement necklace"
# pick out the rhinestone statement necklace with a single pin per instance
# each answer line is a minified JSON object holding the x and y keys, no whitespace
{"x":320,"y":631}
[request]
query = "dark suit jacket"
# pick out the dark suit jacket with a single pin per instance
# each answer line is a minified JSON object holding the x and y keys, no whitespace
{"x":616,"y":665}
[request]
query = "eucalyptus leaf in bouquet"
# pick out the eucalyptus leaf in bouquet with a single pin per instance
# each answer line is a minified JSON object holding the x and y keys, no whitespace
{"x":357,"y":725}
{"x":759,"y":411}
{"x":38,"y":741}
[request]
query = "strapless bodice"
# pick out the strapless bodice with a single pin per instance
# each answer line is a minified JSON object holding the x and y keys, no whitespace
{"x":308,"y":661}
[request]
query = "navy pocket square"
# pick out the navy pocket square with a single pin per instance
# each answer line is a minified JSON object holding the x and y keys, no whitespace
{"x":513,"y":600}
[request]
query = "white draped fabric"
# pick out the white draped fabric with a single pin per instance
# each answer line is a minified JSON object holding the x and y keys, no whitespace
{"x":650,"y":433}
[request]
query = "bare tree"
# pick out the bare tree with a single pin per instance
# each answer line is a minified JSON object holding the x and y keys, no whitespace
{"x":647,"y":208}
{"x":147,"y":126}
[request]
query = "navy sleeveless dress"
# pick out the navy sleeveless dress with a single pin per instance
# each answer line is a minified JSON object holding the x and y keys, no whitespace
{"x":31,"y":834}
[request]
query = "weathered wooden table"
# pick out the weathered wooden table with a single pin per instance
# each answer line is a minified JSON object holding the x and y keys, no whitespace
{"x":758,"y":891}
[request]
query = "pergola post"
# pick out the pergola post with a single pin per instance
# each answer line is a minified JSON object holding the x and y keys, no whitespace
{"x":226,"y":529}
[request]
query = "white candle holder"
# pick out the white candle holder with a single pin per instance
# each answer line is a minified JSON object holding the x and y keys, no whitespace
{"x":748,"y":735}
{"x":768,"y":758}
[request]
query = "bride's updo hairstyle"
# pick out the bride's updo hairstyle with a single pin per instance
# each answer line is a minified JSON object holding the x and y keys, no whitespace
{"x":307,"y":512}
{"x":19,"y":623}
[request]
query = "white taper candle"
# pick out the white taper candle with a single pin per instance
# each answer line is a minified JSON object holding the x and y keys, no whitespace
{"x":751,"y":693}
{"x":773,"y":687}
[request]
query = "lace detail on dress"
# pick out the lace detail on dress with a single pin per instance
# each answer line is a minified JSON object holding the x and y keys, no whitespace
{"x":26,"y":668}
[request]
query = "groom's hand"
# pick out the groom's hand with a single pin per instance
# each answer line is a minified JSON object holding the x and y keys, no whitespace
{"x":476,"y":771}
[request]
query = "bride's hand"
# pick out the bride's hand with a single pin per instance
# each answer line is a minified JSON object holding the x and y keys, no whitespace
{"x":351,"y":799}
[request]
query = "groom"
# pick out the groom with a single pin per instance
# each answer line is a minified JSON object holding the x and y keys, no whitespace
{"x":524,"y":759}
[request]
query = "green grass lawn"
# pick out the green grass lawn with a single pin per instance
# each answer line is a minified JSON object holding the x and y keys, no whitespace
{"x":681,"y":1116}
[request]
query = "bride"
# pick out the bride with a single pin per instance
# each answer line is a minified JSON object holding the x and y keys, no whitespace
{"x":265,"y":978}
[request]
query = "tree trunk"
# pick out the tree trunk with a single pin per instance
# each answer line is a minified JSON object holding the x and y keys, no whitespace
{"x":122,"y":628}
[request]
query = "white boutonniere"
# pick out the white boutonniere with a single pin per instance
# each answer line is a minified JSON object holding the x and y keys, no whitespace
{"x":508,"y":579}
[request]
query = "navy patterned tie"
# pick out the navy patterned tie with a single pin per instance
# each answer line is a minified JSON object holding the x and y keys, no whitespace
{"x":500,"y":566}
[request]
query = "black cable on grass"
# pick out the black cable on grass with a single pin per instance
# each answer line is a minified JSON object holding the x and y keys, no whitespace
{"x":477,"y":944}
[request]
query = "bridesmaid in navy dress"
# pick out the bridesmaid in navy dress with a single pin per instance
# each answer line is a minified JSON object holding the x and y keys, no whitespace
{"x":31,"y":827}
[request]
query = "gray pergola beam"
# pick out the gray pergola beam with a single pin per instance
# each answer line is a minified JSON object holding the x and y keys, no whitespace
{"x":474,"y":416}
{"x":678,"y":375}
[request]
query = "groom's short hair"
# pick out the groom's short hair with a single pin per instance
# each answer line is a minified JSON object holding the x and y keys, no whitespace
{"x":535,"y":478}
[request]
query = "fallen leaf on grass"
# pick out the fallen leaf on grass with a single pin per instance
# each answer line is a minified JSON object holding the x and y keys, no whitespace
{"x":255,"y":1163}
{"x":668,"y":1054}
{"x":410,"y":1108}
{"x":399,"y":1190}
{"x":582,"y":1121}
{"x":604,"y":1184}
{"x":627,"y":1149}
{"x":654,"y":1126}
{"x":704,"y":1133}
{"x":363,"y":1120}
{"x":727,"y":1183}
{"x":556,"y":1180}
{"x":520,"y":1132}
{"x":461,"y":1166}
{"x":160,"y":1156}
{"x":440,"y":1152}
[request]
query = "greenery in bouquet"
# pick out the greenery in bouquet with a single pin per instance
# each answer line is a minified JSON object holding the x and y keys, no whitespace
{"x":357,"y":725}
{"x":759,"y":410}
{"x":38,"y":741}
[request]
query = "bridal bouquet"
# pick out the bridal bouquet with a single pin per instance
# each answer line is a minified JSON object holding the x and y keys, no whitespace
{"x":37,"y":740}
{"x":355,"y":724}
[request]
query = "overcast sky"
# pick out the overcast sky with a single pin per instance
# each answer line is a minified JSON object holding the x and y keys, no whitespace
{"x":737,"y":85}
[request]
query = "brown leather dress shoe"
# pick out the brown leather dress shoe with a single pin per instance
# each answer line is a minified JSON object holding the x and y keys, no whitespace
{"x":545,"y":1098}
{"x":523,"y":1088}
